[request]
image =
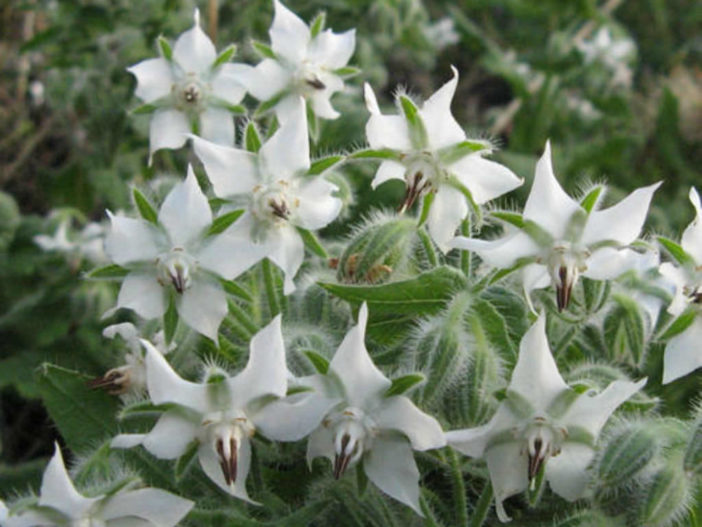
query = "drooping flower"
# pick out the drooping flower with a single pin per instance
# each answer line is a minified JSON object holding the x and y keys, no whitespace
{"x":561,"y":239}
{"x":428,"y":149}
{"x":353,"y":420}
{"x":542,"y":424}
{"x":221,"y":414}
{"x":190,"y":89}
{"x":60,"y":504}
{"x":279,"y":194}
{"x":173,"y":259}
{"x":303,"y":65}
{"x":682,"y":354}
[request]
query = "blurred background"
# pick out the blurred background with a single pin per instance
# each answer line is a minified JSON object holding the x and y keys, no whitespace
{"x":616,"y":86}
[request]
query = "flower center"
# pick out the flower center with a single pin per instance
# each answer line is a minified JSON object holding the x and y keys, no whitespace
{"x":353,"y":431}
{"x":422,"y":176}
{"x":87,"y":521}
{"x":307,"y":79}
{"x":190,"y":94}
{"x":225,"y":432}
{"x":273,"y":204}
{"x":175,"y":268}
{"x":565,"y":264}
{"x":543,"y":440}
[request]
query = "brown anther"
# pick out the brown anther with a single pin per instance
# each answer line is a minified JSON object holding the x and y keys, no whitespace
{"x":536,"y":460}
{"x":114,"y":382}
{"x":279,"y":209}
{"x":191,"y":94}
{"x":228,"y":465}
{"x":415,"y":189}
{"x":341,"y":461}
{"x":316,"y":83}
{"x":564,"y":289}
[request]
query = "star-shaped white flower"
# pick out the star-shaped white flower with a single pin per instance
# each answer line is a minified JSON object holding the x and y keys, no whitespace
{"x":221,"y":414}
{"x":60,"y":504}
{"x":353,"y":420}
{"x":428,"y":150}
{"x":173,"y":258}
{"x":561,"y":239}
{"x":541,"y":424}
{"x":303,"y":65}
{"x":682,"y":354}
{"x":280,"y":197}
{"x":190,"y":85}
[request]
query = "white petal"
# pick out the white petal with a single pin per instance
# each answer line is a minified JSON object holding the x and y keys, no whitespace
{"x":210,"y":464}
{"x":266,"y":372}
{"x":287,"y":250}
{"x":371,"y":101}
{"x":230,"y":170}
{"x":592,"y":411}
{"x":448,"y":210}
{"x":266,"y":80}
{"x":217,"y":125}
{"x":442,"y":128}
{"x":227,"y":83}
{"x":470,"y":441}
{"x":171,"y":435}
{"x":58,"y":492}
{"x":536,"y":375}
{"x":194,"y":51}
{"x":682,"y":353}
{"x":166,"y":386}
{"x":290,"y":36}
{"x":288,"y":151}
{"x":501,"y":252}
{"x":388,"y":170}
{"x":363,"y":381}
{"x":422,"y":430}
{"x":388,"y":131}
{"x":622,"y":222}
{"x":567,"y":472}
{"x":317,"y":208}
{"x":320,"y":443}
{"x":548,"y":205}
{"x":508,"y":473}
{"x":168,"y":129}
{"x":202,"y":306}
{"x":185,"y":212}
{"x":132,"y":240}
{"x":391,"y":467}
{"x":142,"y":293}
{"x":155,"y":505}
{"x":30,"y":519}
{"x":535,"y":276}
{"x":679,"y":278}
{"x":332,"y":50}
{"x":127,"y":440}
{"x":154,"y":79}
{"x":692,"y":236}
{"x":321,"y":105}
{"x":485,"y":179}
{"x":608,"y":263}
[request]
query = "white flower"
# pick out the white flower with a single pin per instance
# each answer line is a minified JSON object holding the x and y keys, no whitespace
{"x":173,"y":259}
{"x":304,"y":66}
{"x":279,"y":196}
{"x":87,"y":243}
{"x":541,"y":424}
{"x":354,"y":421}
{"x":682,"y":354}
{"x":221,"y":414}
{"x":614,"y":54}
{"x":190,"y":86}
{"x":561,"y":240}
{"x":60,"y":504}
{"x":430,"y":153}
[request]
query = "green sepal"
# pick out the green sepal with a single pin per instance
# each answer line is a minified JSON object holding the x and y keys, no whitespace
{"x":537,"y":233}
{"x":626,"y":455}
{"x":108,"y":272}
{"x":401,"y":384}
{"x":500,"y":395}
{"x":298,"y":389}
{"x":321,"y":165}
{"x":216,"y":203}
{"x":321,"y":364}
{"x":680,"y":324}
{"x":347,"y":71}
{"x":144,"y":109}
{"x":143,"y":408}
{"x":252,"y":139}
{"x":563,"y":401}
{"x":170,"y":319}
{"x":221,"y":223}
{"x":164,"y":48}
{"x":451,"y":154}
{"x":417,"y":130}
{"x":385,"y":154}
{"x":312,"y":243}
{"x":185,"y":461}
{"x":676,"y":251}
{"x":264,"y":50}
{"x":518,"y":404}
{"x":426,"y":207}
{"x":513,"y":218}
{"x":225,"y":56}
{"x":237,"y":109}
{"x":591,"y":198}
{"x":536,"y":487}
{"x":317,"y":25}
{"x":234,"y":289}
{"x":361,"y":480}
{"x":265,"y":106}
{"x":146,"y":210}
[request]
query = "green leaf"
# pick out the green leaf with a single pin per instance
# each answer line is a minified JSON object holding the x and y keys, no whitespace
{"x":164,"y":48}
{"x":591,"y":198}
{"x":83,"y":416}
{"x":234,"y":289}
{"x":317,"y":25}
{"x":320,"y":165}
{"x":451,"y":154}
{"x":676,"y":251}
{"x":624,"y":331}
{"x":512,"y":218}
{"x":321,"y":364}
{"x":252,"y":139}
{"x":112,"y":271}
{"x":144,"y":206}
{"x":382,"y":153}
{"x":417,"y":130}
{"x":221,"y":223}
{"x":264,"y":50}
{"x":170,"y":320}
{"x":225,"y":56}
{"x":185,"y":461}
{"x":312,"y":243}
{"x":144,"y":109}
{"x":347,"y":71}
{"x":401,"y":384}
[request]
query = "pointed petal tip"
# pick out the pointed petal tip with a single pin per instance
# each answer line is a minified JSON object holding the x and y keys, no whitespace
{"x":196,"y":17}
{"x":371,"y":101}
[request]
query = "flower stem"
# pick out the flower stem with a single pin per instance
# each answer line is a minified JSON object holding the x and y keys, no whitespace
{"x":428,"y":247}
{"x":466,"y":256}
{"x":482,"y":507}
{"x":271,"y":289}
{"x":430,"y":521}
{"x":459,"y":489}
